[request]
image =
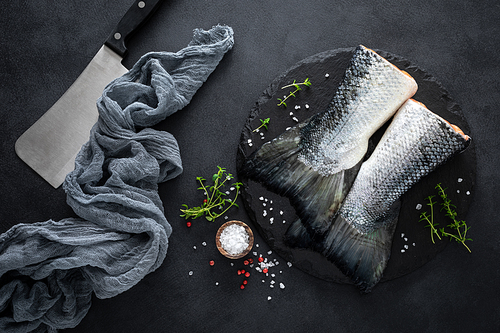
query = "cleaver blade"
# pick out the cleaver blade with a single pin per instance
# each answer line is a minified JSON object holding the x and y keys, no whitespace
{"x":51,"y":144}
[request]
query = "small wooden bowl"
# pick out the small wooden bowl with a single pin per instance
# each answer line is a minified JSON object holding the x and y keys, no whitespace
{"x":224,"y":252}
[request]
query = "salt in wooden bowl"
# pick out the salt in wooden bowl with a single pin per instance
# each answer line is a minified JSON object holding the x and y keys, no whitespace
{"x":223,"y":251}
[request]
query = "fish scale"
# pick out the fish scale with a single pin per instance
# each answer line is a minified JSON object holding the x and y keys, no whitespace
{"x":371,"y":91}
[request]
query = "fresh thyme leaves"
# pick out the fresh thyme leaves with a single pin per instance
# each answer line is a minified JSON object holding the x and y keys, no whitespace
{"x":457,"y":229}
{"x":460,"y":227}
{"x":215,"y":198}
{"x":430,"y":218}
{"x":263,"y":123}
{"x":306,"y":83}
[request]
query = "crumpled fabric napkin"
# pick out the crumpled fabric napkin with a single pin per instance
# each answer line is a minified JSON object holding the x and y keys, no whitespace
{"x":48,"y":270}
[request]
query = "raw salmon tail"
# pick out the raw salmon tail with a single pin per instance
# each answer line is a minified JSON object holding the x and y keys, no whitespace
{"x":315,"y":197}
{"x":361,"y":256}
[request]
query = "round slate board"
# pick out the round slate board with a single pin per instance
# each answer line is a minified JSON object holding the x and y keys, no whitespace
{"x":272,"y":214}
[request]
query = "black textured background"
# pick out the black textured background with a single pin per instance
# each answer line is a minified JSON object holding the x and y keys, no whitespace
{"x":44,"y":45}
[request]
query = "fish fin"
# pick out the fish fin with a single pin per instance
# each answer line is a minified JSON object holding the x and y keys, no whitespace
{"x":361,"y":256}
{"x":315,"y":197}
{"x":298,"y":236}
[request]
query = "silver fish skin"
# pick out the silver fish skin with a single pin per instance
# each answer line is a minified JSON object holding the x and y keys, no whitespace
{"x":371,"y":91}
{"x":416,"y":142}
{"x":315,"y":162}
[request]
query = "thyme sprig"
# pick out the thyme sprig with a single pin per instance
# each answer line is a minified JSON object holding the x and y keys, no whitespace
{"x":263,"y":123}
{"x":457,"y":229}
{"x":460,"y":227}
{"x":306,"y":83}
{"x":215,"y":198}
{"x":430,"y":219}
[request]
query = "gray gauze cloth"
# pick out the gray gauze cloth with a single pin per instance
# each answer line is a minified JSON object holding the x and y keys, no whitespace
{"x":48,"y":270}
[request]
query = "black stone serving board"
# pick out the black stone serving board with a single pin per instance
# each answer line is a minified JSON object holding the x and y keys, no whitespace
{"x":325,"y":70}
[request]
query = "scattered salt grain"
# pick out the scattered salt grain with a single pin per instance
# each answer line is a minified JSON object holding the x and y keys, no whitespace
{"x":406,"y":239}
{"x":264,"y":213}
{"x":256,"y":245}
{"x":261,"y":198}
{"x":282,"y":286}
{"x":190,"y":273}
{"x":271,"y":286}
{"x":194,"y":247}
{"x":271,"y":220}
{"x":295,"y":119}
{"x":460,"y":180}
{"x":402,"y":235}
{"x":406,"y":247}
{"x":402,"y":250}
{"x":419,"y":207}
{"x":234,"y":239}
{"x":468,"y":193}
{"x":269,"y":298}
{"x":297,"y":107}
{"x":307,"y":106}
{"x":281,"y":212}
{"x":264,"y":204}
{"x":291,"y":113}
{"x":204,"y":243}
{"x":458,"y":191}
{"x":327,"y":75}
{"x":289,"y":264}
{"x":413,"y":244}
{"x":216,"y":283}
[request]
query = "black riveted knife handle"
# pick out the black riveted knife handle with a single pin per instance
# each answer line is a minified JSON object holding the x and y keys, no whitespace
{"x":136,"y":15}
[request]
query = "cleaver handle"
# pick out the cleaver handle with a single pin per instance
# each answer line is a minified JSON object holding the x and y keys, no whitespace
{"x":137,"y":14}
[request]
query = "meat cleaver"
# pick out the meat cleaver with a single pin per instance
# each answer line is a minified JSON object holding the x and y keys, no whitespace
{"x":51,"y":144}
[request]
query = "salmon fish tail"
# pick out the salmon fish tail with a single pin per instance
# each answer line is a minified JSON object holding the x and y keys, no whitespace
{"x":416,"y":142}
{"x":315,"y":162}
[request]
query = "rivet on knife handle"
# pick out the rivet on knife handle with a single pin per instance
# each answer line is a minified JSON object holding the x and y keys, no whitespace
{"x":137,"y":14}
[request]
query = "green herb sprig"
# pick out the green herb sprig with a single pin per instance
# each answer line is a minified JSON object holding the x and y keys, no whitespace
{"x":457,"y":228}
{"x":430,"y":219}
{"x":263,"y":123}
{"x":215,"y":198}
{"x":306,"y":82}
{"x":460,"y":227}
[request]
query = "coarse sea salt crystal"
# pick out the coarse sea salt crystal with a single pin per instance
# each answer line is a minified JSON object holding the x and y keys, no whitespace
{"x":282,"y":286}
{"x":269,"y":298}
{"x":234,"y":239}
{"x":190,"y":273}
{"x":460,"y":180}
{"x":419,"y":207}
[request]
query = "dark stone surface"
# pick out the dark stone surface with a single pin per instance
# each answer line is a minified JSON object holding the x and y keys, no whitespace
{"x":44,"y":45}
